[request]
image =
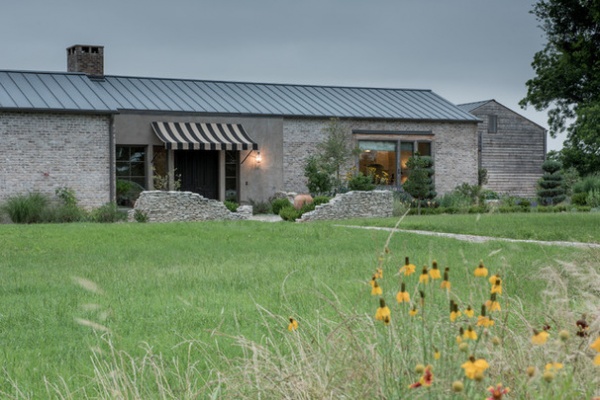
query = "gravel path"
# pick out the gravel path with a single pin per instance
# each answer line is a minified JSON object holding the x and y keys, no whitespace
{"x":479,"y":239}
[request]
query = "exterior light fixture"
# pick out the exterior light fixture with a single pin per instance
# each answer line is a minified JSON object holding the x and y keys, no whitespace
{"x":258,"y":157}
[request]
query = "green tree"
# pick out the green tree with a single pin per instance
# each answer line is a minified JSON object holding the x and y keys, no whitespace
{"x":567,"y":80}
{"x":551,"y":186}
{"x":324,"y":168}
{"x":420,"y":179}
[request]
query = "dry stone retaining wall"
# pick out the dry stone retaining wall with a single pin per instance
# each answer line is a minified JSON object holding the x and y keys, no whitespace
{"x":377,"y":203}
{"x":161,"y":206}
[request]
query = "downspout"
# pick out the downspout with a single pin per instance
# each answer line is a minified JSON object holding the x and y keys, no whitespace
{"x":111,"y":165}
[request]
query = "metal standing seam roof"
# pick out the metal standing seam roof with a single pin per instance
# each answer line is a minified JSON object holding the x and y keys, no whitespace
{"x":78,"y":92}
{"x":21,"y":90}
{"x":468,"y":107}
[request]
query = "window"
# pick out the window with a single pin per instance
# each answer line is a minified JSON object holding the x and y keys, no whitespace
{"x":231,"y":175}
{"x":131,"y":164}
{"x":492,"y":123}
{"x":383,"y":159}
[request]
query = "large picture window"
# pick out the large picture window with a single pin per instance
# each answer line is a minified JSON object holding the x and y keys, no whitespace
{"x":386,"y":159}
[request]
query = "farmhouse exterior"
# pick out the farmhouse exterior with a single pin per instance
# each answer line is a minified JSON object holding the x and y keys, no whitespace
{"x":90,"y":131}
{"x":511,"y":148}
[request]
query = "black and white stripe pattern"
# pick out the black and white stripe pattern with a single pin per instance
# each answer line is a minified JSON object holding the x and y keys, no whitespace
{"x":203,"y":136}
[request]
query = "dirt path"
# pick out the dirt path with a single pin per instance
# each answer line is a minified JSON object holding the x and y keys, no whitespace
{"x":479,"y":239}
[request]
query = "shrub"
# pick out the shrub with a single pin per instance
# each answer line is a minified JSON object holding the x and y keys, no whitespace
{"x":420,"y":183}
{"x":307,"y":207}
{"x":593,"y":198}
{"x":278,"y":204}
{"x":140,"y":216}
{"x":551,"y":190}
{"x":260,"y":207}
{"x":583,"y":208}
{"x":65,"y":214}
{"x":319,"y":179}
{"x":579,"y":199}
{"x":107,"y":213}
{"x":231,"y":205}
{"x":26,"y":208}
{"x":587,"y":184}
{"x":361,"y":182}
{"x":289,"y":213}
{"x":318,"y":200}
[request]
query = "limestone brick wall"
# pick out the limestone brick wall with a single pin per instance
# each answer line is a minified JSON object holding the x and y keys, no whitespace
{"x":454,"y":148}
{"x":161,"y":206}
{"x":355,"y":204}
{"x":44,"y":151}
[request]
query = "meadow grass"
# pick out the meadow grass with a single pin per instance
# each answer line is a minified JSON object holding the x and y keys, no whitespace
{"x":576,"y":227}
{"x":189,"y":310}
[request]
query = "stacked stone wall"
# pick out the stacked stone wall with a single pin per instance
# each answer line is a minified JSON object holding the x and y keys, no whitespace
{"x":43,"y":151}
{"x":454,"y":147}
{"x":355,"y":204}
{"x":161,"y":206}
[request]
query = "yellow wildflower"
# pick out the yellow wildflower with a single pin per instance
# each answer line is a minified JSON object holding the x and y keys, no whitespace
{"x":408,"y":268}
{"x":483,"y":319}
{"x":493,"y":278}
{"x":596,"y":345}
{"x":293,"y":325}
{"x":424,"y":277}
{"x":373,"y":278}
{"x":470,"y":334}
{"x":530,"y":371}
{"x":539,"y":338}
{"x":496,"y":284}
{"x":454,"y":312}
{"x":413,"y":311}
{"x":597,"y":359}
{"x":554,"y":367}
{"x":481,"y":270}
{"x":474,"y":367}
{"x":379,"y":273}
{"x":446,"y":283}
{"x":376,"y":290}
{"x":383,"y":312}
{"x":459,"y":338}
{"x":469,"y":312}
{"x":492,"y":304}
{"x":436,"y":354}
{"x":435,"y":272}
{"x":403,"y":295}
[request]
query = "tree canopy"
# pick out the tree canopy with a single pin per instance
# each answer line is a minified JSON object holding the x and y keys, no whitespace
{"x":567,"y":80}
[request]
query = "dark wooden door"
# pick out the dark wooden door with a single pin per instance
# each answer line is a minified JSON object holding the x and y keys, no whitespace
{"x":199,"y":171}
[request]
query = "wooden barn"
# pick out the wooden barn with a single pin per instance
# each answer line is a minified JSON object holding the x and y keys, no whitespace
{"x":511,"y":148}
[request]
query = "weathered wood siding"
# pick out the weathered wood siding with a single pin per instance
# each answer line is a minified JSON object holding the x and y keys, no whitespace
{"x":513,"y":156}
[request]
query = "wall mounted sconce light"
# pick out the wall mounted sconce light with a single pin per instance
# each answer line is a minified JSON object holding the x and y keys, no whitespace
{"x":258,"y":157}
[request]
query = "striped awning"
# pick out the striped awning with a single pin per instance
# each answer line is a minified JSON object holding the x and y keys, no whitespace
{"x":202,"y":136}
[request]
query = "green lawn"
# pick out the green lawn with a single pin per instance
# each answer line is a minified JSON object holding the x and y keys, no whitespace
{"x":580,"y":227}
{"x":163,"y":284}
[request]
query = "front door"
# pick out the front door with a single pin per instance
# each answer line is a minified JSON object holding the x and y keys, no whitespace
{"x":199,"y":171}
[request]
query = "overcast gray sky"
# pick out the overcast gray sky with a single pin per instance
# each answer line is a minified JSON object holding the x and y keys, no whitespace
{"x":464,"y":50}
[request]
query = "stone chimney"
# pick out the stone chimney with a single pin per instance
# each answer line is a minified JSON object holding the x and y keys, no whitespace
{"x":86,"y":59}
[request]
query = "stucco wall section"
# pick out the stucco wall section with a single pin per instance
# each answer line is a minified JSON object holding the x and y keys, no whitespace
{"x":454,"y":148}
{"x":44,"y":151}
{"x":257,"y":181}
{"x":513,"y":156}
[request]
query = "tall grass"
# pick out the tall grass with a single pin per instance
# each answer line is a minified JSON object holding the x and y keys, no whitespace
{"x":200,"y":310}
